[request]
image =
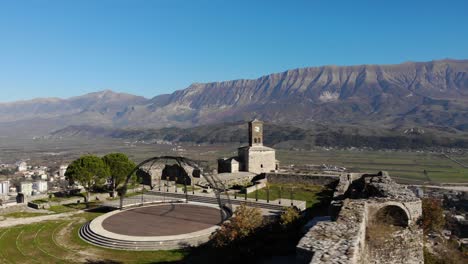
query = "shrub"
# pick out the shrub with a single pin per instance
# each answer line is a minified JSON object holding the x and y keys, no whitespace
{"x":244,"y":222}
{"x":289,"y":216}
{"x":433,"y":215}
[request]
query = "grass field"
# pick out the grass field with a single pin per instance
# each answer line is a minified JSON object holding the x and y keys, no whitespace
{"x":307,"y":193}
{"x":406,"y":167}
{"x":58,"y":242}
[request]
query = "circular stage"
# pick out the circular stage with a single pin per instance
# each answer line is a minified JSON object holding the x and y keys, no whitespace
{"x":162,"y":220}
{"x":154,"y":227}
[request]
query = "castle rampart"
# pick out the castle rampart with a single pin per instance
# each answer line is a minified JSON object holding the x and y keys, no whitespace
{"x":375,"y":220}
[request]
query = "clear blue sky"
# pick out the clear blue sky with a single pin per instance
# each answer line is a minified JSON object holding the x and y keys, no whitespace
{"x":66,"y":48}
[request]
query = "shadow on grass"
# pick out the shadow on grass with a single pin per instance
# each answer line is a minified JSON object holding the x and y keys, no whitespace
{"x":100,"y":209}
{"x":322,"y":207}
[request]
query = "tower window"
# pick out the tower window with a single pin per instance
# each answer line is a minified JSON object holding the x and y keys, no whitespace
{"x":255,"y":140}
{"x":261,"y":165}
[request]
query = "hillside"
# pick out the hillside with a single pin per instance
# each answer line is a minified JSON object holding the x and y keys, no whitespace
{"x":430,"y":95}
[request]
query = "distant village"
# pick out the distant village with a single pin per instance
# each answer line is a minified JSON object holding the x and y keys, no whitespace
{"x":455,"y":206}
{"x":27,"y":181}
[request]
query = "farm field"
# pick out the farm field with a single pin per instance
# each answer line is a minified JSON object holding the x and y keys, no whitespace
{"x":405,"y":167}
{"x":58,"y":242}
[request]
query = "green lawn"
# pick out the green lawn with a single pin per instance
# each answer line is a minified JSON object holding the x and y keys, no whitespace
{"x":72,"y":207}
{"x":58,"y":242}
{"x":302,"y":192}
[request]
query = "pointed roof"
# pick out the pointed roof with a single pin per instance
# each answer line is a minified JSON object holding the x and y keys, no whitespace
{"x":256,"y":120}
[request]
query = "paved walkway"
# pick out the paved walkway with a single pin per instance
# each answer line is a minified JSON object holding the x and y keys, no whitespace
{"x":10,"y":222}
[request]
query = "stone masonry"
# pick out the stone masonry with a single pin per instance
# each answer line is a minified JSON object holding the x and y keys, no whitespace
{"x":374,"y":220}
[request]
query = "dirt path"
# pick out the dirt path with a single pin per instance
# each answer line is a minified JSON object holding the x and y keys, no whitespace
{"x":456,"y":161}
{"x":9,"y":222}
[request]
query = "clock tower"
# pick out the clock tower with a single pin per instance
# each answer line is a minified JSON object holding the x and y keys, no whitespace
{"x":255,"y":133}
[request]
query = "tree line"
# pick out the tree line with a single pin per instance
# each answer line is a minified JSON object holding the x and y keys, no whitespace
{"x":93,"y":172}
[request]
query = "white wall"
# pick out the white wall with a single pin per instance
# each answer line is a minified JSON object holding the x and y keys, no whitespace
{"x":260,"y":161}
{"x":40,"y":186}
{"x":4,"y":187}
{"x":26,"y":188}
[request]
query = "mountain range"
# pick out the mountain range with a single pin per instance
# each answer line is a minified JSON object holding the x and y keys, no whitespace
{"x":430,"y":96}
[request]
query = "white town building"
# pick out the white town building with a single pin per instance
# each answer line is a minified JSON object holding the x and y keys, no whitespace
{"x":40,"y":186}
{"x":4,"y":188}
{"x":22,"y":166}
{"x":25,"y":188}
{"x":62,"y":170}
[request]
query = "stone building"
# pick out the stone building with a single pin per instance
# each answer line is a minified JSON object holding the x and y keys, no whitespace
{"x":22,"y":166}
{"x":62,"y":170}
{"x":4,"y":188}
{"x":156,"y":173}
{"x":25,"y":188}
{"x":230,"y":165}
{"x":255,"y":158}
{"x":40,"y":186}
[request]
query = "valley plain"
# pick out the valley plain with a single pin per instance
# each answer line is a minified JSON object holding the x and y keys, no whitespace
{"x":410,"y":167}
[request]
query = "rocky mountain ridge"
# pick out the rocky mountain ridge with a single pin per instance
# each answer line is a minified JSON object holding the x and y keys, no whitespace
{"x":414,"y":94}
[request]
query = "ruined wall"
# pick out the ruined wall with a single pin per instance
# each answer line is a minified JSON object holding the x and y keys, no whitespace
{"x":338,"y":241}
{"x":392,"y":245}
{"x":375,"y":220}
{"x":152,"y":173}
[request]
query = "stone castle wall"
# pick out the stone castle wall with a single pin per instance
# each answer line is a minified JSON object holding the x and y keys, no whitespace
{"x":363,"y":231}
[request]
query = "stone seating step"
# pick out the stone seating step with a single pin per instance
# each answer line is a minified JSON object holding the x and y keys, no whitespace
{"x":87,"y":234}
{"x":90,"y":234}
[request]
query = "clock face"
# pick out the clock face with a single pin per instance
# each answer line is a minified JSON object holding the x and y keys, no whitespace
{"x":257,"y":129}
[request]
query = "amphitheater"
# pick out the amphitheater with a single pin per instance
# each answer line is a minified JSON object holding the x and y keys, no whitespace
{"x":162,"y":226}
{"x":163,"y":219}
{"x":372,"y":220}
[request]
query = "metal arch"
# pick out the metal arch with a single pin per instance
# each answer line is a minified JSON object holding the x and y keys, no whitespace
{"x":213,"y":181}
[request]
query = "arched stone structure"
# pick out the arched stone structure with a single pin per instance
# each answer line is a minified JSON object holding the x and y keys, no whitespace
{"x":177,"y":174}
{"x":366,"y":210}
{"x":409,"y":210}
{"x":157,"y":170}
{"x":392,"y":215}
